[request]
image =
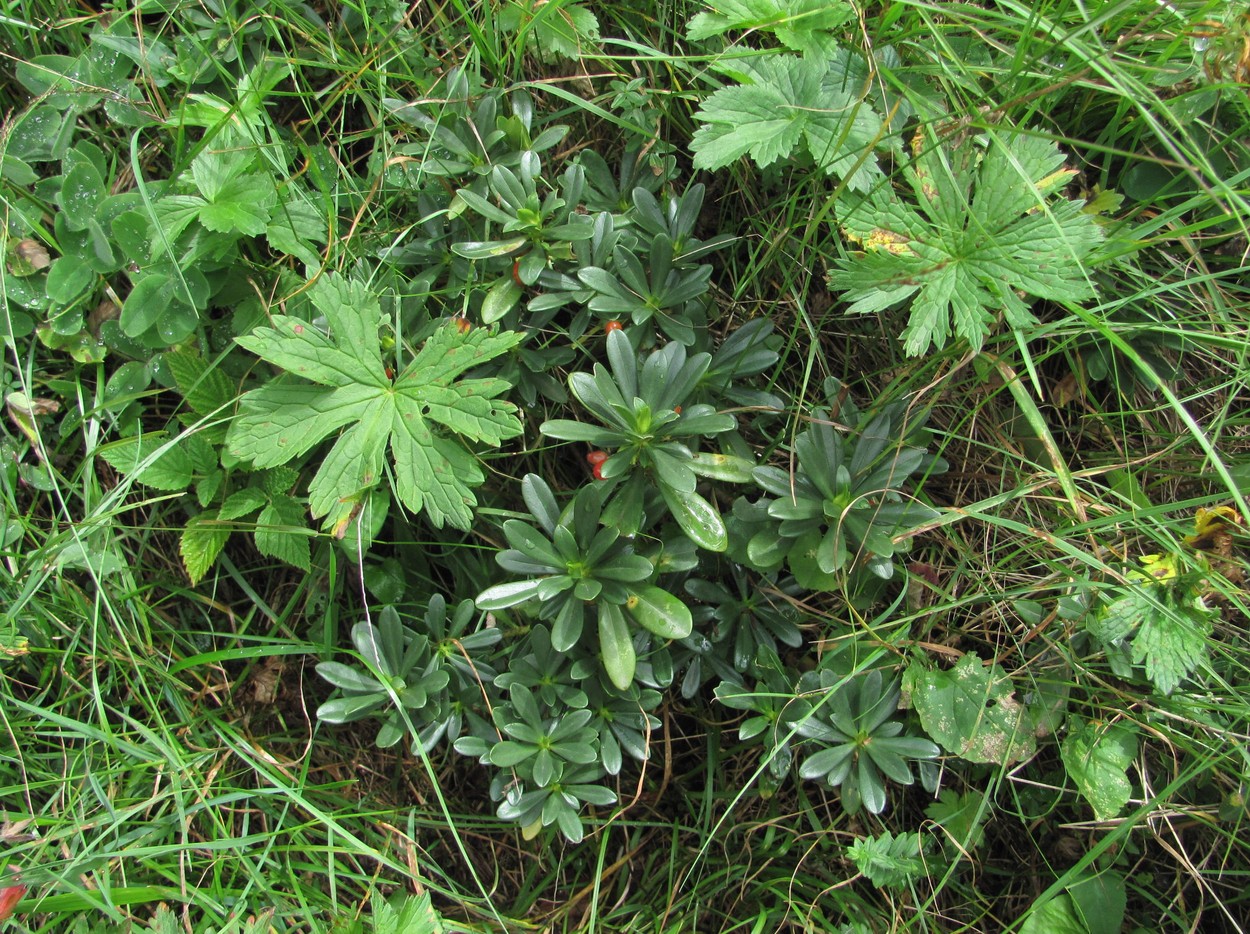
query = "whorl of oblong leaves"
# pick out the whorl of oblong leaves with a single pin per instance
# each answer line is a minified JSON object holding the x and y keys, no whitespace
{"x":403,"y":682}
{"x":648,"y":423}
{"x":336,"y":383}
{"x":573,"y":565}
{"x":786,"y":104}
{"x":859,"y":742}
{"x":979,"y":233}
{"x":840,"y":506}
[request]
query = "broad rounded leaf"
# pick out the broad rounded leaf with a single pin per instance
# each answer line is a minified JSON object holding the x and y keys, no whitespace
{"x":972,"y":711}
{"x":698,"y":519}
{"x":346,"y":677}
{"x":1096,"y":756}
{"x":660,"y":612}
{"x":502,"y":596}
{"x":617,"y":646}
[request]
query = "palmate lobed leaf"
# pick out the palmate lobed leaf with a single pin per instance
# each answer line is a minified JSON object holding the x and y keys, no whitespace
{"x":977,"y":236}
{"x":790,"y":102}
{"x":1172,"y":639}
{"x":348,"y":391}
{"x":801,"y":24}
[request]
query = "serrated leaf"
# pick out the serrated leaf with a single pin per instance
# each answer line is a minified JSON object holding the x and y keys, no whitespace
{"x":1172,"y":641}
{"x":801,"y":24}
{"x":201,"y":543}
{"x":293,"y":225}
{"x":972,"y":711}
{"x":975,"y":236}
{"x":205,"y":389}
{"x":141,"y":457}
{"x":417,"y":415}
{"x":243,"y":205}
{"x":790,"y":102}
{"x":887,"y":860}
{"x":1172,"y":626}
{"x":279,"y":480}
{"x":406,"y":913}
{"x":242,"y":502}
{"x":1055,"y":916}
{"x":214,"y":168}
{"x":566,"y":29}
{"x":1096,"y":756}
{"x":280,"y":533}
{"x":1120,"y":617}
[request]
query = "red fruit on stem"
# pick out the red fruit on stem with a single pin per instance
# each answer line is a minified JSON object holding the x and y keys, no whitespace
{"x":596,"y":457}
{"x":612,"y":326}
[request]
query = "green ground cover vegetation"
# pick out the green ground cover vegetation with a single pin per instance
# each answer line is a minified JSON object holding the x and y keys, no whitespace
{"x":726,"y":465}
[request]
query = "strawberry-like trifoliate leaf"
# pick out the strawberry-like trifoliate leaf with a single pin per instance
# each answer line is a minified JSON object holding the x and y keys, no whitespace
{"x":981,"y":233}
{"x":802,"y":25}
{"x":788,"y":103}
{"x":336,"y":383}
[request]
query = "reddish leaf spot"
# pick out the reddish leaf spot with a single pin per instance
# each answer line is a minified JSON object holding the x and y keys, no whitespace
{"x":10,"y":895}
{"x":299,"y":329}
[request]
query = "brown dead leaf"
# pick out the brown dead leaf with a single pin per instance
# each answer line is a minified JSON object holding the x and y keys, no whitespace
{"x":267,"y":678}
{"x":1066,"y":391}
{"x":27,"y":257}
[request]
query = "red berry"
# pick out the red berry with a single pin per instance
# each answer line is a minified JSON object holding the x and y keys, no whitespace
{"x":598,"y":471}
{"x":677,"y":409}
{"x":611,"y":326}
{"x":596,"y":458}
